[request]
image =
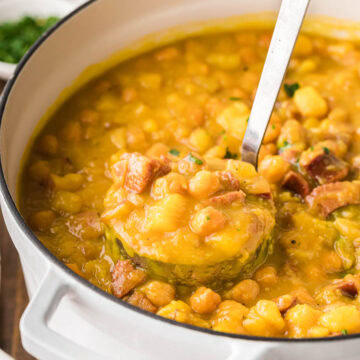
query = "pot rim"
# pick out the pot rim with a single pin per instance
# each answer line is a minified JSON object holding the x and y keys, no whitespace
{"x":10,"y":203}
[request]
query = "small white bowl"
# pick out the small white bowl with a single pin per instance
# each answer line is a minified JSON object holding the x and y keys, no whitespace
{"x":11,"y":10}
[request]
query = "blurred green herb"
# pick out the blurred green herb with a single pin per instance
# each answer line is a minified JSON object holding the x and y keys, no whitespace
{"x":16,"y":37}
{"x":194,"y":159}
{"x":291,"y":88}
{"x":229,"y":155}
{"x":174,"y":152}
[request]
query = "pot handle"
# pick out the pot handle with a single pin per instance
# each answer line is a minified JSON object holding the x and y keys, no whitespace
{"x":37,"y":337}
{"x":252,"y":351}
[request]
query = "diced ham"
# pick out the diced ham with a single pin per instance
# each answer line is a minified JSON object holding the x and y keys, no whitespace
{"x":296,"y":183}
{"x":137,"y":298}
{"x":326,"y":198}
{"x":227,"y":198}
{"x":324,"y":167}
{"x":85,"y":225}
{"x":125,"y":278}
{"x":285,"y":302}
{"x":228,"y":181}
{"x":135,"y":171}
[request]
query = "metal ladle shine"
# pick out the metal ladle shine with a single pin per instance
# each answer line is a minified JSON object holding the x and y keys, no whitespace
{"x":287,"y":28}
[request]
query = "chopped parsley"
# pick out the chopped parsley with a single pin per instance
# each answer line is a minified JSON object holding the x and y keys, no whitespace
{"x":284,"y":146}
{"x":194,"y":159}
{"x":238,"y":229}
{"x":344,"y":332}
{"x":174,"y":152}
{"x":247,"y":120}
{"x":273,"y":126}
{"x":291,"y":88}
{"x":234,"y":98}
{"x":311,"y":148}
{"x":229,"y":155}
{"x":207,"y":217}
{"x":16,"y":37}
{"x":326,"y":150}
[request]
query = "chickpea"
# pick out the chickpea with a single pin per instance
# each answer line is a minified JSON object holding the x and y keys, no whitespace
{"x":273,"y":168}
{"x":273,"y":130}
{"x":229,"y":317}
{"x":168,"y":53}
{"x":129,"y":94}
{"x":67,"y":202}
{"x":246,"y":291}
{"x":169,"y":184}
{"x":150,"y":126}
{"x":40,"y":171}
{"x":118,"y":138}
{"x":310,"y":103}
{"x":150,"y":81}
{"x":331,"y":262}
{"x":292,"y":133}
{"x":158,"y":150}
{"x":89,"y":117}
{"x":136,"y":138}
{"x":69,"y":182}
{"x":200,"y":140}
{"x":41,"y":220}
{"x":48,"y":145}
{"x":158,"y":292}
{"x":207,"y":221}
{"x":180,"y":311}
{"x":266,"y":276}
{"x":72,"y":132}
{"x":204,"y":300}
{"x":304,"y":46}
{"x":204,"y":184}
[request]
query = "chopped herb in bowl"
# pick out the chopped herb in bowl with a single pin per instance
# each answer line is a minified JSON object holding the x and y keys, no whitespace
{"x":16,"y":37}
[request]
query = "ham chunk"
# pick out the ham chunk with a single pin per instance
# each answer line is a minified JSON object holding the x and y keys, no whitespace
{"x":326,"y":198}
{"x":85,"y":225}
{"x":323,"y":166}
{"x":228,"y":181}
{"x":296,"y":183}
{"x":227,"y":198}
{"x":135,"y":171}
{"x":125,"y":278}
{"x":140,"y":300}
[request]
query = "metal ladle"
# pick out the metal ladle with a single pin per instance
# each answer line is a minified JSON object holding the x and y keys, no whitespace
{"x":287,"y":28}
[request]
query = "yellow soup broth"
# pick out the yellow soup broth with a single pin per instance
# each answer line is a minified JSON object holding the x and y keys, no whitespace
{"x":136,"y":184}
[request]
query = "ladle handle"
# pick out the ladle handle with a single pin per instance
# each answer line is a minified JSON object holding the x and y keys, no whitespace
{"x":288,"y":24}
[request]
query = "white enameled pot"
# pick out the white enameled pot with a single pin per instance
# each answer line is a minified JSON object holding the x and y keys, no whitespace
{"x":67,"y":317}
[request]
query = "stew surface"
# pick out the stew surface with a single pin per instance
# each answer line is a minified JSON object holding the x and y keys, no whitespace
{"x":136,"y":184}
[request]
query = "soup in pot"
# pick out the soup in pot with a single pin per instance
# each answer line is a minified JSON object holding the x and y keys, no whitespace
{"x":137,"y":185}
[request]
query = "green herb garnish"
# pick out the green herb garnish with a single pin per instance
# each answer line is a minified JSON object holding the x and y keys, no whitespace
{"x":326,"y":150}
{"x":194,"y":159}
{"x":207,"y":217}
{"x":344,"y":332}
{"x":16,"y":37}
{"x":273,"y":126}
{"x":247,"y":120}
{"x":311,"y":148}
{"x":174,"y":152}
{"x":234,"y":98}
{"x":229,"y":155}
{"x":291,"y":88}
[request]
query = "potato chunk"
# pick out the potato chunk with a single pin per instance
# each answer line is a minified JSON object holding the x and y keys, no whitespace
{"x":167,"y":214}
{"x":264,"y":319}
{"x":310,"y":103}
